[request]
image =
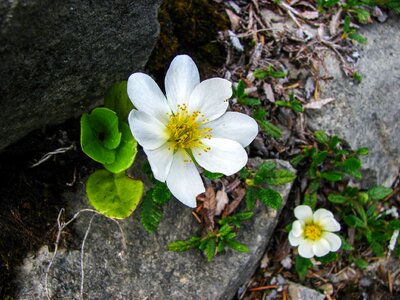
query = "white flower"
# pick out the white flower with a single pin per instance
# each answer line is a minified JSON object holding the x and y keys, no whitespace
{"x":313,"y":232}
{"x":187,"y":127}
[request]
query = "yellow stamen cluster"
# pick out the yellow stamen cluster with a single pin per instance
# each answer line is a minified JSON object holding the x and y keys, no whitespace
{"x":312,"y":231}
{"x":185,"y":131}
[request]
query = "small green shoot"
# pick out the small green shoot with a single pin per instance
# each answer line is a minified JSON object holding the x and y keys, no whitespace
{"x":293,"y":104}
{"x":267,"y":127}
{"x":241,"y":96}
{"x":268,"y":72}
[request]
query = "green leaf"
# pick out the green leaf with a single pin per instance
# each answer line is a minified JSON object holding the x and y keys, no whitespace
{"x":239,"y":90}
{"x":346,"y":246}
{"x":225,"y":229}
{"x":100,"y":135}
{"x":259,"y":114}
{"x":184,"y":245}
{"x":117,"y":100}
{"x":310,"y":199}
{"x":151,"y":213}
{"x":220,"y":246}
{"x":332,"y":176}
{"x":126,"y":151}
{"x":358,"y":38}
{"x":302,"y":265}
{"x":264,"y":171}
{"x":160,"y":193}
{"x":394,"y":225}
{"x":334,"y":142}
{"x":249,"y":101}
{"x":337,"y":198}
{"x":261,"y":74}
{"x":362,"y":151}
{"x":237,"y":246}
{"x":362,"y":264}
{"x":237,"y":218}
{"x":115,"y":196}
{"x":377,"y":248}
{"x":211,"y":175}
{"x":354,"y":221}
{"x":379,"y":192}
{"x":279,"y":177}
{"x":328,"y":258}
{"x":297,"y":106}
{"x":251,"y":198}
{"x":297,"y":159}
{"x":352,"y":166}
{"x":363,"y":15}
{"x":211,"y":248}
{"x":321,"y":137}
{"x":270,"y":198}
{"x":319,"y":157}
{"x":270,"y":129}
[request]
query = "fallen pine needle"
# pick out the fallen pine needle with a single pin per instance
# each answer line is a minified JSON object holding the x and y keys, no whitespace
{"x":262,"y":288}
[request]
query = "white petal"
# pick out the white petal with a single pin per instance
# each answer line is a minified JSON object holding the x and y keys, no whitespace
{"x":147,"y":130}
{"x":235,"y":126}
{"x":160,"y":160}
{"x":180,"y":81}
{"x":333,"y":239}
{"x":294,"y":240}
{"x":321,"y":247}
{"x":184,"y":180}
{"x":329,"y":224}
{"x":321,"y":214}
{"x":306,"y":249}
{"x":146,"y":96}
{"x":210,"y":98}
{"x":298,"y":228}
{"x":224,"y":156}
{"x":303,"y":212}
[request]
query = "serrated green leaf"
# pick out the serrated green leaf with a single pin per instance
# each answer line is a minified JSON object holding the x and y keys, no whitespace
{"x":100,"y":135}
{"x":237,"y":246}
{"x":151,"y":213}
{"x":358,"y":38}
{"x":334,"y":142}
{"x":379,"y":192}
{"x":362,"y":151}
{"x":211,"y":175}
{"x":363,"y":15}
{"x":301,"y":266}
{"x":117,"y":100}
{"x":297,"y":159}
{"x":332,"y":176}
{"x":354,"y":221}
{"x":239,"y":91}
{"x":249,"y":101}
{"x":264,"y":170}
{"x":337,"y":198}
{"x":237,"y":218}
{"x":115,"y":196}
{"x":160,"y":193}
{"x":270,"y":129}
{"x":351,"y":164}
{"x":321,"y":137}
{"x":297,"y":106}
{"x":328,"y":258}
{"x":319,"y":157}
{"x":259,"y":114}
{"x":377,"y":248}
{"x":362,"y":264}
{"x":184,"y":245}
{"x":279,"y":177}
{"x":221,"y":246}
{"x":225,"y":229}
{"x":244,"y":173}
{"x":126,"y":151}
{"x":211,"y":247}
{"x":251,"y":198}
{"x":270,"y":198}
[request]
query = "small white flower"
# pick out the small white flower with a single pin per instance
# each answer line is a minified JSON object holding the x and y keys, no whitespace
{"x":187,"y":127}
{"x":313,"y":232}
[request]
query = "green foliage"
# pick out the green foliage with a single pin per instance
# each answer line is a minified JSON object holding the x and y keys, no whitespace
{"x":114,"y":195}
{"x":293,"y":104}
{"x":301,"y":266}
{"x":359,"y":211}
{"x":259,"y":183}
{"x":351,"y":32}
{"x":267,"y":127}
{"x":107,"y":140}
{"x":242,"y":97}
{"x":269,"y":72}
{"x":151,"y":207}
{"x":211,"y":175}
{"x":118,"y":101}
{"x":215,"y":241}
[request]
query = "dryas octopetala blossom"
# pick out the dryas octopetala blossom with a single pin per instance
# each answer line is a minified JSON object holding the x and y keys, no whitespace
{"x":312,"y":232}
{"x":189,"y":126}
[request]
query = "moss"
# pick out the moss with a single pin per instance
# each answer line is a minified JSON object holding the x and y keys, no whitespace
{"x":191,"y":27}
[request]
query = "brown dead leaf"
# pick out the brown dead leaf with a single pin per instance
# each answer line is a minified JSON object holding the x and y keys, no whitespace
{"x":240,"y":192}
{"x":269,"y":92}
{"x":209,"y":205}
{"x":318,"y":104}
{"x":334,"y":24}
{"x":233,"y":18}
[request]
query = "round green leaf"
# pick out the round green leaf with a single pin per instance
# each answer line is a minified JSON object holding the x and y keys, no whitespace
{"x":125,"y":153}
{"x":100,"y":135}
{"x":117,"y":100}
{"x":113,"y":195}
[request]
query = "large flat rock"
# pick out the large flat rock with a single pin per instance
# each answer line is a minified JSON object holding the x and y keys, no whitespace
{"x":58,"y":57}
{"x":145,"y":269}
{"x":368,"y":114}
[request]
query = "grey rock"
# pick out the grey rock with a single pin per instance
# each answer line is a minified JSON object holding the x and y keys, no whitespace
{"x":58,"y":57}
{"x":368,"y":114}
{"x":299,"y":292}
{"x":145,"y":269}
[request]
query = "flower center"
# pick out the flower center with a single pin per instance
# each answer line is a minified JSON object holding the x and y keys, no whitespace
{"x":312,"y":231}
{"x":185,"y":131}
